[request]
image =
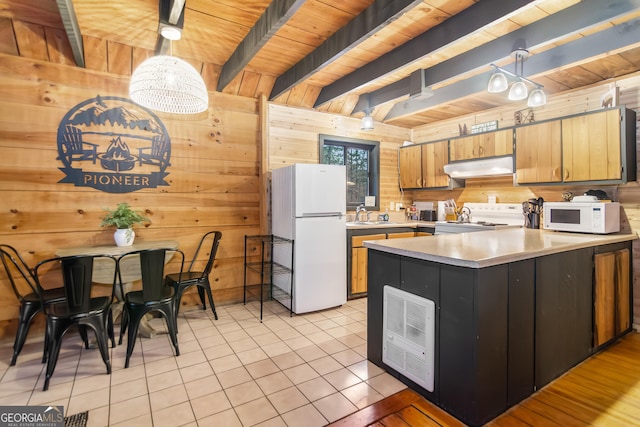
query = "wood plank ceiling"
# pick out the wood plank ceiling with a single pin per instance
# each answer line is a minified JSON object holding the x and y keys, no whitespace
{"x":412,"y":61}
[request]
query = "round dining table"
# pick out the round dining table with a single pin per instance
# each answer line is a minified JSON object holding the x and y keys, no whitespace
{"x":129,"y":269}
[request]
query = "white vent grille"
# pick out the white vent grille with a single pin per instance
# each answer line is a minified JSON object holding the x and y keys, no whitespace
{"x":408,"y":339}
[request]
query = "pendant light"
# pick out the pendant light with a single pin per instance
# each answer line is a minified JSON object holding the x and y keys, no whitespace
{"x":169,"y":84}
{"x":498,"y":82}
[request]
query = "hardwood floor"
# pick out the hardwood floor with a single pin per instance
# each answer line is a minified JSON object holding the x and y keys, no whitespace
{"x":604,"y":390}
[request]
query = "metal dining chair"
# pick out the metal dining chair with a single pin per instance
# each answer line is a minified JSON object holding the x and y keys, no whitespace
{"x":199,"y":278}
{"x":78,"y":308}
{"x":20,"y":276}
{"x":153,"y":297}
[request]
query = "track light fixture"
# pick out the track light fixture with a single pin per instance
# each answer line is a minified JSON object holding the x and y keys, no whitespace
{"x":499,"y":82}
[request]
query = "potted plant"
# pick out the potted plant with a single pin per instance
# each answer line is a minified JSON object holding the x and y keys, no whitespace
{"x":123,"y":218}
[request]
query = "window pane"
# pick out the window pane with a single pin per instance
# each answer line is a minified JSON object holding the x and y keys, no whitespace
{"x":333,"y":155}
{"x":362,"y":160}
{"x":357,"y":175}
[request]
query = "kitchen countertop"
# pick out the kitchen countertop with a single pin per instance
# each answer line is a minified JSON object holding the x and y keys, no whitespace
{"x":487,"y":248}
{"x":383,"y":224}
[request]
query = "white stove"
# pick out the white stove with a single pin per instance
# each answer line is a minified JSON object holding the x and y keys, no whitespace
{"x":485,"y":216}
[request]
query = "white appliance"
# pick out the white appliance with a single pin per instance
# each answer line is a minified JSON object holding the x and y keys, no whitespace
{"x":484,"y":216}
{"x":408,"y":339}
{"x":582,"y":217}
{"x":309,"y":206}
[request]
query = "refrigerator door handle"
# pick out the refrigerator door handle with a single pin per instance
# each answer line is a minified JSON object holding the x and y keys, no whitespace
{"x":321,"y":214}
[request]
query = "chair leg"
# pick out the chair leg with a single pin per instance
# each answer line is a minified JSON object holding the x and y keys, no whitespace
{"x":82,"y":330}
{"x":207,"y":287}
{"x":167,"y":312}
{"x":45,"y":351}
{"x":134,"y":323}
{"x":124,"y":322}
{"x":110,"y":329}
{"x":55,"y":330}
{"x":27,"y":314}
{"x":202,"y":300}
{"x":98,"y":326}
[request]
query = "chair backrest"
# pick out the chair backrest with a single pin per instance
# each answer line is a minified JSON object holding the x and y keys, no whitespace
{"x":151,"y":263}
{"x":77,"y":277}
{"x":19,"y":274}
{"x":216,"y":236}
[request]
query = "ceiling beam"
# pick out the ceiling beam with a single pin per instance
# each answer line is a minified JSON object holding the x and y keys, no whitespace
{"x":461,"y":25}
{"x":274,"y":17}
{"x":171,"y":12}
{"x":70,"y":22}
{"x":618,"y":37}
{"x":373,"y":19}
{"x":572,"y":20}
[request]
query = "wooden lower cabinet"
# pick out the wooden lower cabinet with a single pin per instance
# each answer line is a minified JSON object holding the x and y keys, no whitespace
{"x":402,"y":235}
{"x":611,"y":305}
{"x":359,"y":262}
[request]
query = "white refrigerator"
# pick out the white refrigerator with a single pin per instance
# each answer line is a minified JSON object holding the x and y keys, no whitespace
{"x":308,"y":205}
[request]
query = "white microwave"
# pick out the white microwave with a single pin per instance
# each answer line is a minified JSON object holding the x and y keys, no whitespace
{"x":582,"y":217}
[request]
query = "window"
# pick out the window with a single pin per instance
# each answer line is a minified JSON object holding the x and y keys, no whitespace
{"x":362,"y":158}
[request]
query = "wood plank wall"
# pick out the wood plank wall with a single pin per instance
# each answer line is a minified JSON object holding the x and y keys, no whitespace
{"x":573,"y":102}
{"x":214,"y":175}
{"x":293,"y":136}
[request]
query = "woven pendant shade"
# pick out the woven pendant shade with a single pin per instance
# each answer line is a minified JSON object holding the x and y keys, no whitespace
{"x":169,"y":84}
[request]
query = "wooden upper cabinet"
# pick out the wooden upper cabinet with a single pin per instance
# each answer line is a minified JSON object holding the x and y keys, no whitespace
{"x":489,"y":144}
{"x":411,"y":166}
{"x":591,"y":147}
{"x":539,"y":153}
{"x":434,"y":157}
{"x":422,"y":165}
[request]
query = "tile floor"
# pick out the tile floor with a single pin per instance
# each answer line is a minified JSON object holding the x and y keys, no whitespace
{"x":306,"y":370}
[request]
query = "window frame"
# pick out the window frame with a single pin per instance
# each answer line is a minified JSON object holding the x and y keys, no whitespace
{"x":374,"y":162}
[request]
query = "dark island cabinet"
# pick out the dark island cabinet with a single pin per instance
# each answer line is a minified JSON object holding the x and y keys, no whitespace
{"x":504,"y":331}
{"x":384,"y":269}
{"x":520,"y":375}
{"x":484,"y":330}
{"x":564,"y":306}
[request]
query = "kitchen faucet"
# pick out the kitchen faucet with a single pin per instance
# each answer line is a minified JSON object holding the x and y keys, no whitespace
{"x":359,"y":209}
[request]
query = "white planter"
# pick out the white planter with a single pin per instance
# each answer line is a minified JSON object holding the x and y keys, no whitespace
{"x":124,"y":236}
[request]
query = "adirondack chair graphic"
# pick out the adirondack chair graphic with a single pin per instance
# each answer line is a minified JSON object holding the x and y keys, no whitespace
{"x":73,"y":148}
{"x":158,"y":154}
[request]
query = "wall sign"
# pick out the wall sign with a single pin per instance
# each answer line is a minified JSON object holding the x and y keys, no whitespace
{"x":484,"y":127}
{"x":113,"y":145}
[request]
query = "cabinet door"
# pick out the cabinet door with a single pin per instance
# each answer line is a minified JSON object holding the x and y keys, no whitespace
{"x":604,"y":297}
{"x":411,"y":166}
{"x":591,"y":147}
{"x":462,"y":148}
{"x":490,"y":144}
{"x":358,"y":270}
{"x":434,"y":157}
{"x":623,"y":302}
{"x":402,"y":235}
{"x":359,"y":262}
{"x":539,"y":153}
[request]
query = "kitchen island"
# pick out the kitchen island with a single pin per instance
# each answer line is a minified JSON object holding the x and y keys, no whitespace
{"x":514,"y":309}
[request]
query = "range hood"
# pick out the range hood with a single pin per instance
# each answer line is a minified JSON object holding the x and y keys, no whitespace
{"x":480,"y":167}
